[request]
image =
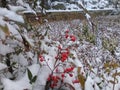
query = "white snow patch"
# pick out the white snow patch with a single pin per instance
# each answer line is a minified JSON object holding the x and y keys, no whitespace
{"x":43,"y":74}
{"x":22,"y":60}
{"x":11,"y":15}
{"x":23,"y":83}
{"x":2,"y":35}
{"x":16,"y":8}
{"x":2,"y":66}
{"x":4,"y":49}
{"x":28,"y":40}
{"x":90,"y":84}
{"x":14,"y":32}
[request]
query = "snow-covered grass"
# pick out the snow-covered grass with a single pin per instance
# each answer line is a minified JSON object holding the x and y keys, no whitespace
{"x":92,"y":61}
{"x":57,"y":55}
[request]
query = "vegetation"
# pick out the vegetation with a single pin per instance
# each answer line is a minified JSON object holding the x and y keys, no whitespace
{"x":58,"y":55}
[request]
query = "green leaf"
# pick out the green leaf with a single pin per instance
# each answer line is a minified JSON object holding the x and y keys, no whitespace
{"x":34,"y":79}
{"x":14,"y":63}
{"x":29,"y":74}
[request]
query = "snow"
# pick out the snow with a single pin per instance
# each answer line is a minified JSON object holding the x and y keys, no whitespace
{"x":84,"y":55}
{"x":2,"y":22}
{"x":43,"y":74}
{"x":21,"y":60}
{"x":11,"y":15}
{"x":72,"y":7}
{"x":16,"y":8}
{"x":9,"y":85}
{"x":14,"y":32}
{"x":2,"y":35}
{"x":76,"y":61}
{"x":90,"y":84}
{"x":2,"y":66}
{"x":88,"y":18}
{"x":5,"y":49}
{"x":21,"y":84}
{"x":73,"y":10}
{"x":30,"y":41}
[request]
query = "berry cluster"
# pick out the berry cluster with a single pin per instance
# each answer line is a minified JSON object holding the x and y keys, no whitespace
{"x":72,"y":37}
{"x":63,"y":54}
{"x":53,"y":80}
{"x":56,"y":78}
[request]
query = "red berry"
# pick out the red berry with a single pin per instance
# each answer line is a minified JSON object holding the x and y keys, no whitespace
{"x":41,"y":58}
{"x":62,"y":80}
{"x":66,"y":35}
{"x":48,"y":79}
{"x":75,"y":81}
{"x":52,"y":85}
{"x":57,"y":70}
{"x":56,"y":57}
{"x":64,"y":56}
{"x":67,"y":31}
{"x":62,"y":75}
{"x":73,"y":38}
{"x":71,"y":75}
{"x":72,"y":68}
{"x":59,"y":47}
{"x":68,"y":69}
{"x":55,"y":84}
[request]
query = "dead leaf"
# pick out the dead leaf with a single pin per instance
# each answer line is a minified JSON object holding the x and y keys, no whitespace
{"x":81,"y":78}
{"x":5,"y":29}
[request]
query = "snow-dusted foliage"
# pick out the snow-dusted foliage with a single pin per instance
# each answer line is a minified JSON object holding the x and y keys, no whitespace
{"x":64,"y":55}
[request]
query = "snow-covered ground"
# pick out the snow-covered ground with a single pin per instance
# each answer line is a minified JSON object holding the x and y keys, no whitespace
{"x":64,"y":54}
{"x":88,"y":4}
